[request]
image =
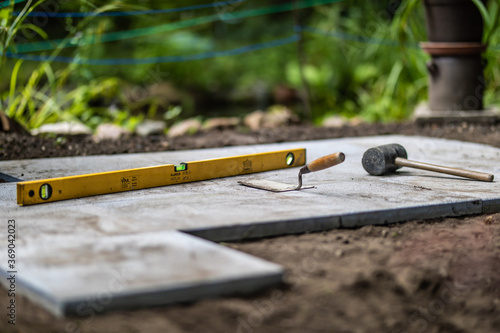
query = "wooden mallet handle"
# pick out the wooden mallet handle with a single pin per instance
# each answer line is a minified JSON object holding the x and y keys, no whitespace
{"x":485,"y":177}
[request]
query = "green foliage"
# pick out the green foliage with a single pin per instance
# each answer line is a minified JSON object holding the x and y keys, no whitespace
{"x":490,"y":17}
{"x":10,"y":26}
{"x":362,"y":60}
{"x":369,"y":73}
{"x":44,"y":97}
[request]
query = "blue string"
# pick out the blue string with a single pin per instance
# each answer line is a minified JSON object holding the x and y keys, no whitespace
{"x":156,"y":60}
{"x":134,"y":13}
{"x":213,"y":54}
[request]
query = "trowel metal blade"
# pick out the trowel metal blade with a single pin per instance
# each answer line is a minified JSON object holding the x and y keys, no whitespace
{"x":269,"y":185}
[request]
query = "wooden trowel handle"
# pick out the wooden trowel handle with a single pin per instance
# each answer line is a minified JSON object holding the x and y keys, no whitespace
{"x":323,"y":163}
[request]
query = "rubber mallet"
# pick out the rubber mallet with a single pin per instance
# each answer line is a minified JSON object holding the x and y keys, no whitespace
{"x":387,"y":159}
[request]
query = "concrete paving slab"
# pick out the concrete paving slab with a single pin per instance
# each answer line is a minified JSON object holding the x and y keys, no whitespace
{"x":424,"y":115}
{"x":113,"y":233}
{"x":222,"y":210}
{"x":78,"y":276}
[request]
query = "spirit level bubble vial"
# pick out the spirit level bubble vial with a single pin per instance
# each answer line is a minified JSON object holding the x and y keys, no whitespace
{"x":63,"y":188}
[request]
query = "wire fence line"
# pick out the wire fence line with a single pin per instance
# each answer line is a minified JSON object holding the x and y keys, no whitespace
{"x":212,"y":54}
{"x":22,"y":49}
{"x":161,"y":59}
{"x":162,"y":28}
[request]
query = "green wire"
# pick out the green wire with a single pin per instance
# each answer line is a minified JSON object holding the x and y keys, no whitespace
{"x":121,"y":35}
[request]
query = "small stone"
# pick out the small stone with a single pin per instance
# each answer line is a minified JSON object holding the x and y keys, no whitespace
{"x":279,"y":116}
{"x":63,"y":128}
{"x":355,"y":121}
{"x":110,"y":132}
{"x":339,"y":253}
{"x":151,"y":127}
{"x":334,"y":122}
{"x":188,"y":126}
{"x":384,"y":233}
{"x":254,"y":120}
{"x":221,"y":123}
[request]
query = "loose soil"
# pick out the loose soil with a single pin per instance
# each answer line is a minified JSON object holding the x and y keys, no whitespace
{"x":18,"y":146}
{"x":441,"y":275}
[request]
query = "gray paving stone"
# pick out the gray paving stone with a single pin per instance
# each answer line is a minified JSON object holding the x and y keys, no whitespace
{"x":424,"y":115}
{"x":221,"y":210}
{"x":80,"y":276}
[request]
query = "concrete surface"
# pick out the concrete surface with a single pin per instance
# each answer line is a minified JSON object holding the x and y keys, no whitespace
{"x":423,"y":115}
{"x":222,"y":209}
{"x":76,"y":275}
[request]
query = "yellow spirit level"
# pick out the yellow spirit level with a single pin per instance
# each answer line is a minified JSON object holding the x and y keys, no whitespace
{"x":62,"y":188}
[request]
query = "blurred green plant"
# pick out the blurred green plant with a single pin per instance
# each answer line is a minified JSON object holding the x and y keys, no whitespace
{"x":10,"y":26}
{"x":46,"y":95}
{"x":362,"y":70}
{"x":490,"y":17}
{"x":360,"y":59}
{"x":491,"y":37}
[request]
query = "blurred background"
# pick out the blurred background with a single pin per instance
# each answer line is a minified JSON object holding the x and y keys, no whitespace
{"x":124,"y":62}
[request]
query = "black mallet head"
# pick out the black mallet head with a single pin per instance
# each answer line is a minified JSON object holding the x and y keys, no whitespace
{"x":379,"y":160}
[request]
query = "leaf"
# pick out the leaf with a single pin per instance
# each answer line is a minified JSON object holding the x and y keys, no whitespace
{"x":13,"y":81}
{"x":32,"y":27}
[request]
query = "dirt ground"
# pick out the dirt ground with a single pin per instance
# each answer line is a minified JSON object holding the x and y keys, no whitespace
{"x":441,"y":275}
{"x":18,"y":146}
